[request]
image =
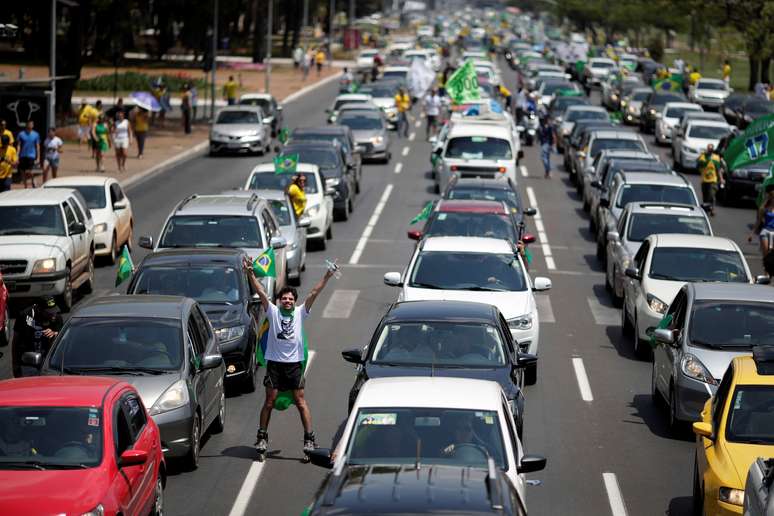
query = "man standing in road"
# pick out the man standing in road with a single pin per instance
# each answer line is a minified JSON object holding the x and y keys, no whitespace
{"x":285,"y":354}
{"x":28,"y":146}
{"x":35,"y":329}
{"x":432,"y":111}
{"x":546,"y":139}
{"x":709,"y":165}
{"x":403,"y":103}
{"x":230,"y":91}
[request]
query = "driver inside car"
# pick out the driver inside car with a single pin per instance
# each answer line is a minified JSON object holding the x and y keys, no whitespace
{"x":463,"y":436}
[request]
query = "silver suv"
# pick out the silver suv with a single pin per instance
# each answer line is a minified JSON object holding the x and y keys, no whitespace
{"x":239,"y":221}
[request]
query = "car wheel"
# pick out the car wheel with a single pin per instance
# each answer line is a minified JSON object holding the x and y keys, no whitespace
{"x":65,"y":299}
{"x":220,"y":421}
{"x":592,"y":226}
{"x":586,"y":205}
{"x":295,"y":282}
{"x":675,"y":425}
{"x":192,"y":458}
{"x":601,"y":255}
{"x":343,"y":214}
{"x":158,"y":503}
{"x":248,"y":382}
{"x":322,"y":244}
{"x":349,"y":206}
{"x":608,"y":285}
{"x":111,"y":258}
{"x":626,"y":326}
{"x":655,"y":396}
{"x":88,"y":285}
{"x":357,"y":186}
{"x":329,"y":232}
{"x":698,"y":492}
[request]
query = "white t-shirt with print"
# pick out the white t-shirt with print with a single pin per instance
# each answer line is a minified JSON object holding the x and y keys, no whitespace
{"x":285,"y":341}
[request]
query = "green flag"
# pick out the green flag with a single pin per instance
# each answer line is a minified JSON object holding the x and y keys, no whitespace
{"x":424,"y":214}
{"x":766,"y":182}
{"x":569,"y":92}
{"x":263,"y":265}
{"x":662,"y":325}
{"x":752,"y":146}
{"x":283,"y":135}
{"x":667,"y":85}
{"x":462,"y":86}
{"x":354,"y":87}
{"x":579,"y":67}
{"x":285,"y":164}
{"x":125,"y":266}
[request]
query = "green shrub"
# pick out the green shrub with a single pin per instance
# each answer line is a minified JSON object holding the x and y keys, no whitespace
{"x":134,"y":81}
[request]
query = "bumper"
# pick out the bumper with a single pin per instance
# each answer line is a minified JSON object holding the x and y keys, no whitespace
{"x":371,"y":151}
{"x":691,"y":395}
{"x":42,"y":285}
{"x":175,"y":427}
{"x":318,"y":225}
{"x":253,"y":145}
{"x":738,"y":188}
{"x":236,"y":356}
{"x":712,"y":104}
{"x":102,"y":242}
{"x":645,"y":319}
{"x":528,"y":339}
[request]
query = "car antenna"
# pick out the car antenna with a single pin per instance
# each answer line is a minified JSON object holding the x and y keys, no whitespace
{"x":419,"y":453}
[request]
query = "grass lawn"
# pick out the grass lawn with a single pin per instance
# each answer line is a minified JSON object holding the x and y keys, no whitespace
{"x":713,"y":63}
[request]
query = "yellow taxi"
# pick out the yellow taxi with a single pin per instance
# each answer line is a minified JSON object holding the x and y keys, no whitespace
{"x":736,"y":427}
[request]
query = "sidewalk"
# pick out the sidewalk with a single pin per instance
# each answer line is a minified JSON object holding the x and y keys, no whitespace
{"x":164,"y":147}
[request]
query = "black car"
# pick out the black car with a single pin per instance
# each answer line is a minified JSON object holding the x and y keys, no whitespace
{"x":743,"y":182}
{"x":331,"y":159}
{"x":580,"y":128}
{"x":339,"y":133}
{"x":446,"y":338}
{"x":652,"y":106}
{"x":754,"y":107}
{"x":732,"y":107}
{"x":414,"y":489}
{"x":215,"y":278}
{"x":482,"y":189}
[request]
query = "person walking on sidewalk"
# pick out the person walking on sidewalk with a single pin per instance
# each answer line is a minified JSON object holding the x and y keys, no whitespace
{"x":727,"y":73}
{"x":319,"y":60}
{"x":285,"y":354}
{"x":122,"y":140}
{"x":99,"y":134}
{"x":28,"y":148}
{"x":185,"y":108}
{"x":52,"y":148}
{"x":230,"y":91}
{"x":298,"y":56}
{"x":432,"y":111}
{"x":403,"y":103}
{"x":4,"y":130}
{"x":546,"y":139}
{"x":709,"y":165}
{"x":8,"y":162}
{"x":141,"y":125}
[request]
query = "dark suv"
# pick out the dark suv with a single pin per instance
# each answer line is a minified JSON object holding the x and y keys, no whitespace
{"x":652,"y":106}
{"x":338,"y":133}
{"x":331,"y":159}
{"x":216,"y":279}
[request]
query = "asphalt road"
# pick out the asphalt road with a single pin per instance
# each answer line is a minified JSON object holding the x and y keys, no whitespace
{"x":609,"y":449}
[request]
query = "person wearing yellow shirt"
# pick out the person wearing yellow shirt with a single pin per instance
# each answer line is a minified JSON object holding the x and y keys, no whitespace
{"x":694,"y":77}
{"x":319,"y":60}
{"x":709,"y":164}
{"x":230,"y":91}
{"x":8,"y":161}
{"x":726,"y":72}
{"x":4,"y":130}
{"x":297,"y":194}
{"x":403,"y":103}
{"x":87,"y":114}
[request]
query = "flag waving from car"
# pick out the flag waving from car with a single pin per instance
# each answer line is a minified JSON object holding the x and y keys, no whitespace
{"x":286,"y":164}
{"x":125,"y":266}
{"x":263,"y":265}
{"x":462,"y":86}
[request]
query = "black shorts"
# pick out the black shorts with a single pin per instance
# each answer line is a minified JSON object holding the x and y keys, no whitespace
{"x":284,"y":376}
{"x":26,"y":164}
{"x":432,"y":120}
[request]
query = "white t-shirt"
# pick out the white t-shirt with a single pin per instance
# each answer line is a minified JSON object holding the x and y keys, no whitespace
{"x":122,"y":130}
{"x":52,"y":147}
{"x":433,"y":105}
{"x":286,"y":335}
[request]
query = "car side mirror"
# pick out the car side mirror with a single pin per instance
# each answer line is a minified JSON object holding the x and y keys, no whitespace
{"x":703,"y":429}
{"x":278,"y":242}
{"x":528,"y":238}
{"x":529,"y":212}
{"x":304,"y":222}
{"x":605,"y":203}
{"x":354,"y":356}
{"x":132,"y":458}
{"x":32,"y":358}
{"x":664,"y":336}
{"x":531,"y":464}
{"x":120,"y":205}
{"x":211,"y":361}
{"x":541,"y":284}
{"x":762,"y":280}
{"x":613,"y":236}
{"x":320,"y":457}
{"x":392,"y":279}
{"x":146,"y":242}
{"x":77,"y":228}
{"x":633,"y":273}
{"x":330,"y":191}
{"x":415,"y":234}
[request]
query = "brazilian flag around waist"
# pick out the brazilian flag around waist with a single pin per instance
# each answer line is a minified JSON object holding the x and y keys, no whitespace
{"x":284,"y":398}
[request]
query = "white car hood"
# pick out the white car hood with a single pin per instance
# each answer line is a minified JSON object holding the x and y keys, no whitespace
{"x":383,"y":102}
{"x":699,"y":143}
{"x":27,"y":247}
{"x":511,"y":304}
{"x":102,"y":215}
{"x":711,"y":94}
{"x":665,"y":290}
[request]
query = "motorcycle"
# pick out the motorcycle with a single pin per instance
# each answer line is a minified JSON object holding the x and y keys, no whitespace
{"x":531,"y":125}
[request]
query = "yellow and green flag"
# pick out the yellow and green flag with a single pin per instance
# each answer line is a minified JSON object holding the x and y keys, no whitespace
{"x":263,"y":265}
{"x":125,"y":266}
{"x":282,"y":136}
{"x":462,"y":86}
{"x":424,"y":214}
{"x":286,"y":164}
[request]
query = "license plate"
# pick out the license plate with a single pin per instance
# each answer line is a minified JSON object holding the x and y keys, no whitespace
{"x":234,"y":145}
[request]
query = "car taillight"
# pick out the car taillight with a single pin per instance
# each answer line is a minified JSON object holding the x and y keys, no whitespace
{"x":502,"y":170}
{"x":453,"y":168}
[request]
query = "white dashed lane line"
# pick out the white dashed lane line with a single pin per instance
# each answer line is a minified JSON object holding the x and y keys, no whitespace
{"x":523,"y":170}
{"x":340,"y":304}
{"x":405,"y":151}
{"x":583,"y":379}
{"x":412,"y":136}
{"x":614,"y":496}
{"x":370,"y":226}
{"x":544,"y":246}
{"x":398,"y":168}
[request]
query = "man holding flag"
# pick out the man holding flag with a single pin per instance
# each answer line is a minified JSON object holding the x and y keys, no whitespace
{"x":285,"y":353}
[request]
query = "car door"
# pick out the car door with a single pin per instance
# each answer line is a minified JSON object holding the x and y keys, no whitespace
{"x":197,"y":376}
{"x":78,"y":241}
{"x":122,"y":213}
{"x":664,"y":355}
{"x":327,"y":200}
{"x":616,"y":248}
{"x":83,"y":215}
{"x":211,"y":399}
{"x":144,"y":440}
{"x":128,"y":486}
{"x":633,"y":287}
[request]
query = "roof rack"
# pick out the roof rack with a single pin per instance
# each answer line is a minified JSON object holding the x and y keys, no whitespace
{"x":764,"y":359}
{"x":185,"y":201}
{"x":665,"y":205}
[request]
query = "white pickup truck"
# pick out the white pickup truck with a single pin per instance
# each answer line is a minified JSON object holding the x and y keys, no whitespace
{"x":46,"y":244}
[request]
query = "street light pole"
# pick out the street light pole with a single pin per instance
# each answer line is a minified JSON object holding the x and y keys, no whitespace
{"x":214,"y":58}
{"x":305,"y":17}
{"x":268,"y":45}
{"x":52,"y":67}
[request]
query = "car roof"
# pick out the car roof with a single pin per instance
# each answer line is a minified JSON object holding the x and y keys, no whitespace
{"x":323,"y":129}
{"x":683,"y":105}
{"x":152,"y":306}
{"x":352,"y":96}
{"x":360,"y":112}
{"x":462,"y":129}
{"x":241,"y":107}
{"x":709,"y":79}
{"x":747,"y":372}
{"x":639,"y":178}
{"x":617,"y":135}
{"x":218,"y":204}
{"x":694,"y":241}
{"x":442,"y":310}
{"x":431,"y":392}
{"x":585,"y":107}
{"x":266,"y":96}
{"x":311,"y":144}
{"x":471,"y":206}
{"x":638,"y":165}
{"x":482,"y":182}
{"x":708,"y":123}
{"x":57,"y":391}
{"x":78,"y":181}
{"x":633,"y":154}
{"x":272,"y":195}
{"x":466,"y":244}
{"x":731,"y":292}
{"x":193,"y":256}
{"x":34,"y":196}
{"x":300,"y":167}
{"x":642,"y":89}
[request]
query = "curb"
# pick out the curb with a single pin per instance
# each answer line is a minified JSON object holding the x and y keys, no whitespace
{"x":201,"y":148}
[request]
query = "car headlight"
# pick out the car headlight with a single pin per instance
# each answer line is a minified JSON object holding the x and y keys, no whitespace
{"x":100,"y":228}
{"x":689,"y":150}
{"x":613,"y":97}
{"x":332,"y":181}
{"x":740,"y":173}
{"x":313,"y":210}
{"x":96,"y":511}
{"x":254,"y":133}
{"x":229,"y":333}
{"x":656,"y":304}
{"x":523,"y":322}
{"x":217,"y":135}
{"x":693,"y":368}
{"x":652,"y":112}
{"x":44,"y":266}
{"x":623,"y":103}
{"x":731,"y":495}
{"x":174,"y":397}
{"x":390,"y":109}
{"x":632,"y":110}
{"x":377,"y":140}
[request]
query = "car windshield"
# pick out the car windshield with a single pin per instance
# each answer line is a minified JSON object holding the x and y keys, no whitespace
{"x":601,"y":144}
{"x":737,"y":324}
{"x":272,"y":181}
{"x":750,"y":417}
{"x":238,"y":117}
{"x":444,"y":270}
{"x":697,"y":264}
{"x":561,"y":104}
{"x":341,"y":102}
{"x":326,"y":137}
{"x":643,"y":225}
{"x":31,"y":220}
{"x":395,"y":74}
{"x":426,"y":435}
{"x":586,"y":115}
{"x":212,"y":231}
{"x":112,"y":345}
{"x":36,"y":438}
{"x":363,"y":123}
{"x":206,"y":284}
{"x":550,"y":88}
{"x":325,"y":158}
{"x":708,"y":132}
{"x":381,"y":91}
{"x":281,"y":211}
{"x":655,"y":193}
{"x":478,"y":147}
{"x":264,"y":104}
{"x":640,"y":96}
{"x":715,"y":86}
{"x":440,"y":344}
{"x":677,"y":112}
{"x":489,"y":225}
{"x":486,"y":194}
{"x":659,"y":99}
{"x":94,"y":195}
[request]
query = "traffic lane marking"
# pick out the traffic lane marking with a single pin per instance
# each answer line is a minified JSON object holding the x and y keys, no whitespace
{"x":614,"y":496}
{"x":544,"y":308}
{"x":412,"y":136}
{"x":523,"y":170}
{"x":583,"y":379}
{"x":405,"y":151}
{"x":398,"y":168}
{"x":544,"y":245}
{"x":340,"y":304}
{"x":370,"y":226}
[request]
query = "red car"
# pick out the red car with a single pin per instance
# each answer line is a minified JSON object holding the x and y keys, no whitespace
{"x":78,"y":445}
{"x":5,"y":316}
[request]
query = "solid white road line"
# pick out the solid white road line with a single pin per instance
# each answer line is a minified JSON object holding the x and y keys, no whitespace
{"x":242,"y":500}
{"x":583,"y":380}
{"x":412,"y":136}
{"x":340,"y":304}
{"x":523,"y":170}
{"x":617,"y":506}
{"x":398,"y":167}
{"x":405,"y":151}
{"x":370,"y":226}
{"x":603,"y":315}
{"x":544,"y":246}
{"x":545,"y":310}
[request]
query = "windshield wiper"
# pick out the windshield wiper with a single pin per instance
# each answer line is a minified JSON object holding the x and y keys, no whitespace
{"x":664,"y":277}
{"x":484,"y":289}
{"x":40,"y":465}
{"x":425,"y":285}
{"x":21,"y":232}
{"x":105,"y":369}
